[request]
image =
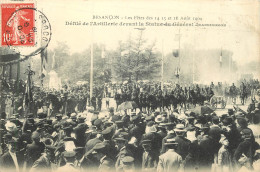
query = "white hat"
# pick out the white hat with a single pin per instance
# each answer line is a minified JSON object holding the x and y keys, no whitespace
{"x":10,"y":126}
{"x":180,"y":127}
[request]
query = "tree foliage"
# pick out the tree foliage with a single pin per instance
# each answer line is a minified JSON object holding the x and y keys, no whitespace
{"x":135,"y":60}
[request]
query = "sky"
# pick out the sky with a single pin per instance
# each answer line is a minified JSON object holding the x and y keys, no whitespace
{"x":241,"y":34}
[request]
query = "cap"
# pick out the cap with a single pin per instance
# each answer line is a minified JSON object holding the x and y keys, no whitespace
{"x":107,"y":131}
{"x":99,"y":146}
{"x":128,"y":160}
{"x":227,"y":121}
{"x":69,"y":154}
{"x":97,"y":122}
{"x":115,"y":118}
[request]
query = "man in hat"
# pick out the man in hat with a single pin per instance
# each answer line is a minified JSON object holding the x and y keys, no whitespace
{"x":12,"y":159}
{"x":46,"y":161}
{"x":208,"y":148}
{"x":123,"y":148}
{"x":170,"y":160}
{"x":149,"y":158}
{"x":170,"y":135}
{"x":34,"y":150}
{"x":128,"y":164}
{"x":108,"y":142}
{"x":106,"y":162}
{"x":79,"y":131}
{"x":246,"y":147}
{"x":69,"y":157}
{"x":58,"y":119}
{"x":81,"y":161}
{"x":183,"y":143}
{"x":151,"y":134}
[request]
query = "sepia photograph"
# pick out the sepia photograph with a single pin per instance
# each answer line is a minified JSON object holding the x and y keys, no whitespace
{"x":129,"y":85}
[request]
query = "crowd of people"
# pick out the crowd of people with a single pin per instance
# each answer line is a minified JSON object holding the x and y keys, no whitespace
{"x":78,"y":136}
{"x":148,"y":96}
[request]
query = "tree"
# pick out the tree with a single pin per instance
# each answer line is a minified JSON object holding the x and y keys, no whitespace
{"x":136,"y":60}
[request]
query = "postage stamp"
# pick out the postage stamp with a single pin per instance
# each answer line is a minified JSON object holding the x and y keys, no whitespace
{"x":24,"y":28}
{"x":18,"y":24}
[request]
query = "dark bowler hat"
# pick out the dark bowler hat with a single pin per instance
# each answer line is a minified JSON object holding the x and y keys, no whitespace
{"x":115,"y":118}
{"x":69,"y":154}
{"x":227,"y":121}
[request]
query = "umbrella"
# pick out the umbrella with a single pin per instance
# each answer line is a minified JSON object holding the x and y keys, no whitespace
{"x":127,"y":105}
{"x":202,"y":110}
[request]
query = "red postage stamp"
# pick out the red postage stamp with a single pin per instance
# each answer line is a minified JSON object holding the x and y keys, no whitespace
{"x":17,"y":24}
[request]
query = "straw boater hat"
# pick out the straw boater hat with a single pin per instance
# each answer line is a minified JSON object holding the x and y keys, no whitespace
{"x":180,"y":128}
{"x":171,"y":142}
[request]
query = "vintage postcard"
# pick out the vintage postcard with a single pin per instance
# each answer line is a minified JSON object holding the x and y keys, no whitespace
{"x":129,"y":85}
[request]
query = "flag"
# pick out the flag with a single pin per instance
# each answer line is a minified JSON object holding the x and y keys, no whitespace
{"x":44,"y":60}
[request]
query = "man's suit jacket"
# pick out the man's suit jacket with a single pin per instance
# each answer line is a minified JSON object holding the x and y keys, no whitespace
{"x":169,"y":161}
{"x":33,"y":152}
{"x":149,"y":161}
{"x":6,"y":161}
{"x":183,"y":146}
{"x":91,"y":143}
